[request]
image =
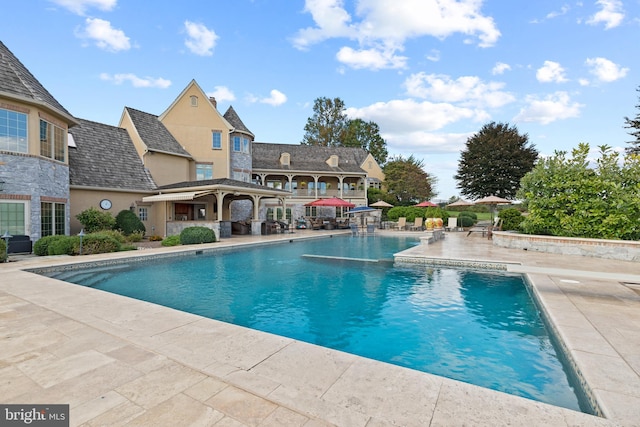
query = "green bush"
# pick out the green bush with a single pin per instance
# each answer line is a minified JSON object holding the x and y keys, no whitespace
{"x":171,"y":241}
{"x":135,"y":237}
{"x":469,"y":214}
{"x":96,"y":243}
{"x":465,"y":221}
{"x":3,"y":250}
{"x":511,"y":219}
{"x":412,"y":212}
{"x":196,"y":235}
{"x":41,"y":246}
{"x":93,"y":220}
{"x":129,"y":223}
{"x":63,"y":245}
{"x":116,"y":234}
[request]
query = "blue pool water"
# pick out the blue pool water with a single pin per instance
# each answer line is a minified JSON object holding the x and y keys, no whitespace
{"x":474,"y":326}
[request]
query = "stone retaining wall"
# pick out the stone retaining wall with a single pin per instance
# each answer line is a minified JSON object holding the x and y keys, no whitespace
{"x":624,"y":250}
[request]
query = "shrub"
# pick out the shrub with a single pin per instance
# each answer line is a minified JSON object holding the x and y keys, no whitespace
{"x":135,"y":237}
{"x":63,"y":245}
{"x":3,"y":250}
{"x":96,"y":243}
{"x":196,"y":235}
{"x":93,"y":220}
{"x":412,"y":212}
{"x":116,"y":234}
{"x":41,"y":246}
{"x":511,"y":218}
{"x":469,"y":214}
{"x":128,"y":222}
{"x":465,"y":221}
{"x":171,"y":241}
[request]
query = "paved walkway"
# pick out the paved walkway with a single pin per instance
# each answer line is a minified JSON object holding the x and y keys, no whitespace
{"x":119,"y":361}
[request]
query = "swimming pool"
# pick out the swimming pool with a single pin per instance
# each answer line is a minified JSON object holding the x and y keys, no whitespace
{"x":473,"y":326}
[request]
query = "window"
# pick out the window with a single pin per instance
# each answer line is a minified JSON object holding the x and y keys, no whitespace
{"x":236,"y":144}
{"x":13,"y":131}
{"x":245,"y":145}
{"x":241,"y":176}
{"x":143,"y":214}
{"x":204,"y":171}
{"x":52,"y":141}
{"x":13,"y":218}
{"x":52,"y":216}
{"x":216,"y":140}
{"x":194,"y":100}
{"x":310,"y":211}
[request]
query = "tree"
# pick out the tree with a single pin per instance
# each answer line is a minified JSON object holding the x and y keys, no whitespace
{"x":494,"y":160}
{"x":635,"y":125}
{"x":567,"y":197}
{"x":406,"y":180}
{"x":366,"y":135}
{"x":328,"y":125}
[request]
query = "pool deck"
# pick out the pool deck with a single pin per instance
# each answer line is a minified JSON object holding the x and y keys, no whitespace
{"x":119,"y":361}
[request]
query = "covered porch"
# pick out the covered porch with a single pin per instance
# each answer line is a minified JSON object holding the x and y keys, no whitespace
{"x":214,"y":204}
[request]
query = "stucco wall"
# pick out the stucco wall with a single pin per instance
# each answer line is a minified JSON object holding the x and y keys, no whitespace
{"x":600,"y":248}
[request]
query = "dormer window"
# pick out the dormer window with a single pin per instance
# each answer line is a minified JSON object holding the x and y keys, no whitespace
{"x":333,"y":161}
{"x":194,"y":101}
{"x":285,"y":159}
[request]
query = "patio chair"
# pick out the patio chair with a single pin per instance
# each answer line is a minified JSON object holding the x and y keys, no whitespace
{"x":480,"y":227}
{"x":417,"y":224}
{"x":452,"y":224}
{"x":402,"y":223}
{"x":497,"y":226}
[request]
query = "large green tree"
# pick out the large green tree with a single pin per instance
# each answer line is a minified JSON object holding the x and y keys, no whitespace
{"x":494,"y":160}
{"x":634,"y":125}
{"x":406,"y":180}
{"x":328,"y":125}
{"x":566,"y":196}
{"x":366,"y":135}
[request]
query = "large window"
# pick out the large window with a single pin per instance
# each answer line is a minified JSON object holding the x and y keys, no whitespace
{"x":52,"y":219}
{"x":204,"y":171}
{"x":13,"y":218}
{"x":13,"y":131}
{"x":143,"y":213}
{"x":52,"y":141}
{"x":216,"y":143}
{"x":240,"y":145}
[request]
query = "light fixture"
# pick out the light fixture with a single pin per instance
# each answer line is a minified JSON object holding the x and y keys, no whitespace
{"x":81,"y":234}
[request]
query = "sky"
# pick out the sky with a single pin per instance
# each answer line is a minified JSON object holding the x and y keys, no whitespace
{"x":430,"y":73}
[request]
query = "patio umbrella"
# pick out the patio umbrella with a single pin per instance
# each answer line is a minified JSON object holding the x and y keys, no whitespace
{"x":361,"y":209}
{"x":492,"y":201}
{"x":460,"y":202}
{"x":426,"y":204}
{"x":332,"y":201}
{"x":381,"y":204}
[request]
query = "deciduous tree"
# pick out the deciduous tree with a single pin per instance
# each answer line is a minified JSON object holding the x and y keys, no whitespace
{"x":634,"y":125}
{"x":494,"y":160}
{"x":328,"y":125}
{"x":366,"y":135}
{"x":406,"y":180}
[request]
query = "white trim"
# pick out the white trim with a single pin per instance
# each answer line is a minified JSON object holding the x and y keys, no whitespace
{"x":187,"y":195}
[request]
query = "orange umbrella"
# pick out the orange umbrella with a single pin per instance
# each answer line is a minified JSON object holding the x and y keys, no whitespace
{"x":332,"y":201}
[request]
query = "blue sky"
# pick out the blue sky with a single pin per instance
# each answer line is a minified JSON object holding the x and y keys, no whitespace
{"x":431,"y":73}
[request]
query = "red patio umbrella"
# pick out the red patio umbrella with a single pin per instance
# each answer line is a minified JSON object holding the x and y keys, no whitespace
{"x":332,"y":201}
{"x":426,"y":204}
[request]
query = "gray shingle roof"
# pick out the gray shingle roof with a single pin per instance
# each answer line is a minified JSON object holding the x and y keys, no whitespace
{"x":232,"y":117}
{"x":16,"y":80}
{"x":105,"y":157}
{"x":154,"y":134}
{"x":220,"y":181}
{"x":307,"y":157}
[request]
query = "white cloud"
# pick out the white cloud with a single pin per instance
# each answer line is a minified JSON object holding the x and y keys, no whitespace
{"x":500,"y":68}
{"x":380,"y":31}
{"x":370,"y":58}
{"x":556,"y":106}
{"x":554,"y":14}
{"x":406,"y":115}
{"x":605,"y":70}
{"x":611,"y":14}
{"x":104,"y":35}
{"x":551,"y":72}
{"x":201,"y":40}
{"x":425,"y":143}
{"x":136,"y":81}
{"x":275,"y":99}
{"x":222,"y":93}
{"x":434,"y":55}
{"x":466,"y":90}
{"x":79,"y":7}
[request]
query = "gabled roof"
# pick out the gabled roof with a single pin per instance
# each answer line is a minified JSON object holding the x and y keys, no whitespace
{"x":104,"y":156}
{"x":307,"y":158}
{"x":154,"y":134}
{"x":235,"y":121}
{"x":17,"y":82}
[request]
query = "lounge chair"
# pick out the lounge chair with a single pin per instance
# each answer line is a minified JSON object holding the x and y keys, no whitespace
{"x":417,"y":224}
{"x":480,"y":227}
{"x":452,"y":224}
{"x":402,"y":223}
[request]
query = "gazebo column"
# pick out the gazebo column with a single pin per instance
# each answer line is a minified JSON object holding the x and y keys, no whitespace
{"x":256,"y":222}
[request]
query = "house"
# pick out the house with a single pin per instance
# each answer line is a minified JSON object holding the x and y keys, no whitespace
{"x":34,"y":161}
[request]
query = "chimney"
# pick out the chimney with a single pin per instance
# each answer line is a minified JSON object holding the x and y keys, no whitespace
{"x":214,"y":102}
